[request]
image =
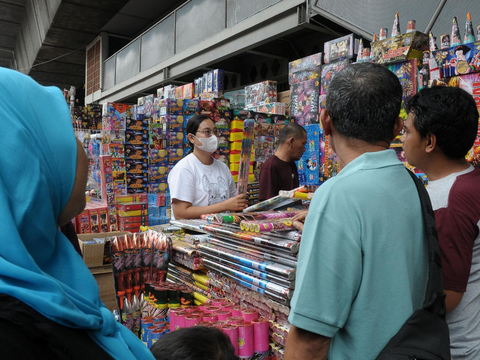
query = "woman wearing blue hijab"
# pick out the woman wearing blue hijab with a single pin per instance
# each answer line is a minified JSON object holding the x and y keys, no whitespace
{"x":49,"y":301}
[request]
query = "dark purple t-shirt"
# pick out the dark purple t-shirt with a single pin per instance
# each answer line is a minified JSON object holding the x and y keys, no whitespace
{"x":276,"y":175}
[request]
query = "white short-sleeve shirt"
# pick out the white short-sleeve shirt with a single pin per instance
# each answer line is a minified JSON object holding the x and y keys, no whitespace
{"x":200,"y":184}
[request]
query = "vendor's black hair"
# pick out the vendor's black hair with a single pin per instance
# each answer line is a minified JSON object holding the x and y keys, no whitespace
{"x":194,"y":343}
{"x":363,"y":101}
{"x":291,"y":130}
{"x":192,"y":127}
{"x":448,"y":113}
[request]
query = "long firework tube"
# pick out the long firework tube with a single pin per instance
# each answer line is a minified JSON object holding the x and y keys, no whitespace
{"x":277,"y":297}
{"x":246,"y":153}
{"x":259,"y":274}
{"x":293,"y":246}
{"x":278,"y":269}
{"x":259,"y":226}
{"x":236,"y":218}
{"x":233,"y":245}
{"x":264,"y":284}
{"x":257,"y":250}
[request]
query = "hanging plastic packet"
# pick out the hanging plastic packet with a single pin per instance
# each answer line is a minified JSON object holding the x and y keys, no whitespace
{"x":455,"y":38}
{"x":411,"y":26}
{"x":469,"y":36}
{"x":396,"y":25}
{"x":478,"y":33}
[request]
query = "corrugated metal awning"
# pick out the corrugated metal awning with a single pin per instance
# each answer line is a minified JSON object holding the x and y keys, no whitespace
{"x":366,"y":17}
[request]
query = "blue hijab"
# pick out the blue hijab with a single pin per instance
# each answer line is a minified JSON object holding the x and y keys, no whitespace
{"x":38,"y":265}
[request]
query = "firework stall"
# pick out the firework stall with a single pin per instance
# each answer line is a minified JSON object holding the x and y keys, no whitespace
{"x":234,"y":271}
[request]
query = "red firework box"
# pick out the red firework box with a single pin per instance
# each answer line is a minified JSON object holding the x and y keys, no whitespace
{"x":83,"y":222}
{"x":132,"y":227}
{"x":132,"y":206}
{"x":123,"y":220}
{"x":206,"y":107}
{"x":107,"y":179}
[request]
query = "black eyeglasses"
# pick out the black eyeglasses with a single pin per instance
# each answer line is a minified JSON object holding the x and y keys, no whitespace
{"x":209,"y":132}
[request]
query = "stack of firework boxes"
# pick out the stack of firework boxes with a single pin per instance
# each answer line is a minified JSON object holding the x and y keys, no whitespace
{"x":304,"y":79}
{"x":102,"y":217}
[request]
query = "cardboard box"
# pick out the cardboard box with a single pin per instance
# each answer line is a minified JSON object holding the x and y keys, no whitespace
{"x":93,"y":253}
{"x":104,"y":277}
{"x":284,"y":97}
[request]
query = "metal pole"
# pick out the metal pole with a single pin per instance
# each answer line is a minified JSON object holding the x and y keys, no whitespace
{"x":435,"y":16}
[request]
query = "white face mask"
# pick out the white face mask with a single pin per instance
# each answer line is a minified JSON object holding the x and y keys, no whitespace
{"x":209,"y":144}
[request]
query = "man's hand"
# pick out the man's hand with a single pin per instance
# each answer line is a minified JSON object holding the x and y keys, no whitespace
{"x":299,"y":219}
{"x":302,"y":344}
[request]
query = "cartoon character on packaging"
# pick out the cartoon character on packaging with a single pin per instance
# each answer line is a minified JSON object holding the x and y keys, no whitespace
{"x":312,"y":165}
{"x":462,"y":63}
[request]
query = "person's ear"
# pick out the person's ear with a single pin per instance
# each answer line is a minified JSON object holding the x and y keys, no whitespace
{"x":326,"y":122}
{"x":398,"y":127}
{"x":431,"y":143}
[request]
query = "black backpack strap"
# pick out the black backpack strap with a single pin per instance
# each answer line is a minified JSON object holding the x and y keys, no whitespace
{"x":434,"y":296}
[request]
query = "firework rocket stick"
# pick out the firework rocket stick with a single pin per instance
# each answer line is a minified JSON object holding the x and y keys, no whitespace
{"x":245,"y":156}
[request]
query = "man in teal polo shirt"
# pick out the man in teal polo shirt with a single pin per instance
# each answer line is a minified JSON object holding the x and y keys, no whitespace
{"x":362,"y":266}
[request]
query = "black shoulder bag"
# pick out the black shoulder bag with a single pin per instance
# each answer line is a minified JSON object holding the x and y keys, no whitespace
{"x":425,"y":335}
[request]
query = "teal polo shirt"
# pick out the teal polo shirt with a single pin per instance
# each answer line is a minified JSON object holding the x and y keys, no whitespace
{"x":362,"y":265}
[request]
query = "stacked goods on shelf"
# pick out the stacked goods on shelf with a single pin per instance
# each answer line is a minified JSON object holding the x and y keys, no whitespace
{"x":94,"y":219}
{"x":132,"y":215}
{"x":256,"y":271}
{"x":236,"y":136}
{"x":185,"y":254}
{"x":222,"y":117}
{"x":171,"y":117}
{"x":304,"y":75}
{"x":304,"y":79}
{"x":253,"y":190}
{"x":108,"y":194}
{"x":136,"y":152}
{"x":190,"y":108}
{"x":131,"y":211}
{"x":159,"y":211}
{"x":139,"y":268}
{"x":310,"y":166}
{"x":195,"y":280}
{"x":338,"y":53}
{"x":114,"y":119}
{"x":210,"y":85}
{"x":245,"y":156}
{"x":87,"y":117}
{"x":261,"y":94}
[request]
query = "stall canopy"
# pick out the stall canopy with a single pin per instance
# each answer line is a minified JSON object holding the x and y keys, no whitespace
{"x":366,"y":17}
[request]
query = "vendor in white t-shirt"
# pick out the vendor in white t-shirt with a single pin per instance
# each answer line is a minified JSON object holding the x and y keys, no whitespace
{"x":200,"y":184}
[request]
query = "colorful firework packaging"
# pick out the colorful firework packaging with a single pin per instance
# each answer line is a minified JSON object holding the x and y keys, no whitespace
{"x":247,"y":142}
